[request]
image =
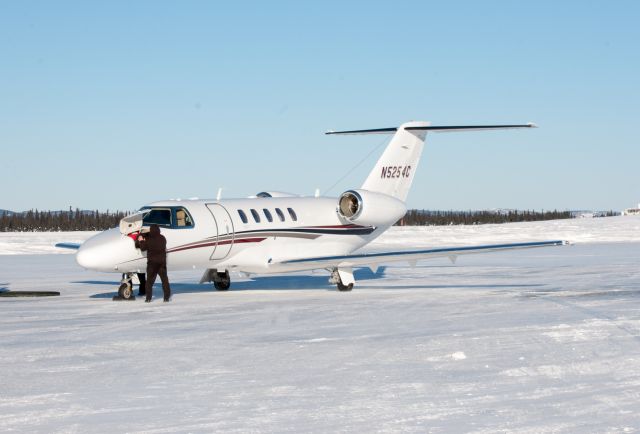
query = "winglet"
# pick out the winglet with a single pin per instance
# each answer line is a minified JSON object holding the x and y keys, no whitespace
{"x":73,"y":246}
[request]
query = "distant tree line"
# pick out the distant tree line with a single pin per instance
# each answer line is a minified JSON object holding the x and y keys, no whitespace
{"x":54,"y":221}
{"x":415,"y":217}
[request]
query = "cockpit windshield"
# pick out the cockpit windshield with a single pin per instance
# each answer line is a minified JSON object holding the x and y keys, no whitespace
{"x":158,"y":216}
{"x":169,"y":217}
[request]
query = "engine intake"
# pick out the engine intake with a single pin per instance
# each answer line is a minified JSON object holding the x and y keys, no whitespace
{"x":350,"y":205}
{"x":370,"y":208}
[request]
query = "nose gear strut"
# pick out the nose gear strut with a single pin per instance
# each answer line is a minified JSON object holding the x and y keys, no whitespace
{"x":125,"y":290}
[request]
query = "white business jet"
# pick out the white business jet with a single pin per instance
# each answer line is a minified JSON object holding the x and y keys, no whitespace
{"x":277,"y":232}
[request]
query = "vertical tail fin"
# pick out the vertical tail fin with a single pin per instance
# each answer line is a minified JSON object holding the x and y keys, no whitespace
{"x":394,"y":171}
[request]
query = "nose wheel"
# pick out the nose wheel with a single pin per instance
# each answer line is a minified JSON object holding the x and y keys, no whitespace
{"x":125,"y":290}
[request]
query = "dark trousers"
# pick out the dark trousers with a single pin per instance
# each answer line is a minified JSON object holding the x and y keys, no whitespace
{"x":143,"y":283}
{"x":153,"y":270}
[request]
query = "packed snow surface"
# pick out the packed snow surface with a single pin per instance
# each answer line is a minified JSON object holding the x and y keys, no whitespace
{"x":537,"y":341}
{"x":29,"y":243}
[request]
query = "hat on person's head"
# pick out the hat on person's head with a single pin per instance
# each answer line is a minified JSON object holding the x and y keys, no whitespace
{"x":144,"y":230}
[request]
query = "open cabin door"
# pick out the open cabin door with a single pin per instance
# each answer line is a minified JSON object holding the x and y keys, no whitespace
{"x":133,"y":222}
{"x":224,"y":241}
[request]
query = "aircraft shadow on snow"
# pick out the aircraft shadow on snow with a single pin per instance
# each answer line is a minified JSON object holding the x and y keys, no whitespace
{"x":280,"y":282}
{"x":296,"y":283}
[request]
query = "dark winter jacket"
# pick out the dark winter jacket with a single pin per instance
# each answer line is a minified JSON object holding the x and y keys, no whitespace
{"x":155,"y":244}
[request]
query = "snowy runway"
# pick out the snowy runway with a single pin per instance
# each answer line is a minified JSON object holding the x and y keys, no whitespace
{"x":541,"y":340}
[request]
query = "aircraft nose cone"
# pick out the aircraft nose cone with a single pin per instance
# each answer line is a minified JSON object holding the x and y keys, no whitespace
{"x":104,"y":251}
{"x":84,"y":257}
{"x":89,"y":257}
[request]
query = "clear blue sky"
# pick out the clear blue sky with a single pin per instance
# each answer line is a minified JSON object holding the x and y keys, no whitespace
{"x":116,"y":104}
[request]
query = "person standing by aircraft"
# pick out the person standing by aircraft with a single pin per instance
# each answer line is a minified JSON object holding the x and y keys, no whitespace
{"x":156,"y":247}
{"x":142,"y":278}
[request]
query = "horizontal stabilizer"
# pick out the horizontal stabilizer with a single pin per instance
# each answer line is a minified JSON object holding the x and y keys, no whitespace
{"x":437,"y":129}
{"x":452,"y":128}
{"x":73,"y":246}
{"x":374,"y":131}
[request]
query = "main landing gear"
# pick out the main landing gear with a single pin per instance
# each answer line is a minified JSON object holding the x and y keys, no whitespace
{"x":221,"y":281}
{"x":342,"y":278}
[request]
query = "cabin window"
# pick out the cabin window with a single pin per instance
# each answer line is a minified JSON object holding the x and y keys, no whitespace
{"x":280,"y":214}
{"x":243,"y":216}
{"x":183,"y":219}
{"x":267,"y":214}
{"x":255,"y":215}
{"x":293,"y":215}
{"x":157,"y":216}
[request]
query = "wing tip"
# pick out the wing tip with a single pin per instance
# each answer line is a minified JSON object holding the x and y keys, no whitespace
{"x":72,"y":246}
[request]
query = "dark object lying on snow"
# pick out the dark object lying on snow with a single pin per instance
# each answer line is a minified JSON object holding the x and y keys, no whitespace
{"x":29,"y":293}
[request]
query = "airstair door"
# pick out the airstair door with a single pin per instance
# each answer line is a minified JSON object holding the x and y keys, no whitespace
{"x":224,"y":240}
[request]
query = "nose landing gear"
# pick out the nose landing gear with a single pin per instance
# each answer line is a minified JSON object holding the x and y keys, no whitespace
{"x":125,"y":290}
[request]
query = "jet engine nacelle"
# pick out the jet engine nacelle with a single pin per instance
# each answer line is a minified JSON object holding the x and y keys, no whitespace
{"x":368,"y":208}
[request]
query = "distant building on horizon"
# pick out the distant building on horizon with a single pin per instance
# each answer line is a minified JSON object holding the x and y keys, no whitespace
{"x":632,"y":211}
{"x":592,"y":214}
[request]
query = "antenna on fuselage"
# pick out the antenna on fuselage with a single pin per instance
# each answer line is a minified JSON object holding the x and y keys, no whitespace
{"x":219,"y":195}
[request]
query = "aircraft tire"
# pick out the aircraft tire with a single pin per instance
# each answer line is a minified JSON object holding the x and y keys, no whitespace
{"x":125,"y":291}
{"x":344,"y":288}
{"x":223,"y":281}
{"x":222,"y":285}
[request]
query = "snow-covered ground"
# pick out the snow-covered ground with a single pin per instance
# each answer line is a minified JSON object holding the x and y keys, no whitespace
{"x":33,"y":243}
{"x":581,"y":230}
{"x":544,"y":340}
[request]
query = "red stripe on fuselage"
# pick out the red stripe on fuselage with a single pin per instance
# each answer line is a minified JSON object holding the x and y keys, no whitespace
{"x":336,"y":227}
{"x":211,"y":244}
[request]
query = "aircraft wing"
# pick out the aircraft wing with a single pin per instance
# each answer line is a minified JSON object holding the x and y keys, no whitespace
{"x":74,"y":246}
{"x":411,"y":256}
